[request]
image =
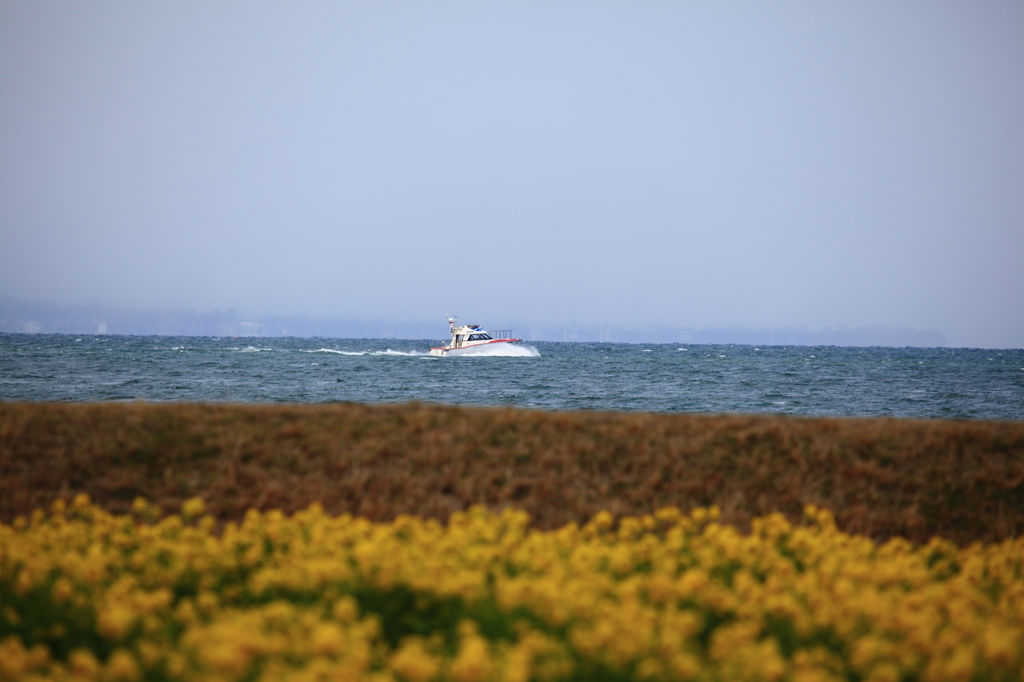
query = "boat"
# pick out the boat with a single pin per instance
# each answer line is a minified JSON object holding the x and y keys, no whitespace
{"x":471,"y":339}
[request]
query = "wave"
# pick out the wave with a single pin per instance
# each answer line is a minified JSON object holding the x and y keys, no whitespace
{"x":501,"y":350}
{"x":413,"y":353}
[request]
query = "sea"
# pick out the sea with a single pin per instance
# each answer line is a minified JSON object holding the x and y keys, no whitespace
{"x":945,"y":383}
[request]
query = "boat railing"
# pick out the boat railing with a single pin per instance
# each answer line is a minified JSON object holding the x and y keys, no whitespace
{"x":501,"y":333}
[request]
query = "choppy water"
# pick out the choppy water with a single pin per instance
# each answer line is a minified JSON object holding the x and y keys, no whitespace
{"x":907,"y":382}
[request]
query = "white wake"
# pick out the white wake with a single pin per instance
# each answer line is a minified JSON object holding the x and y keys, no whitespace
{"x":413,"y":353}
{"x":495,"y":350}
{"x":500,"y":350}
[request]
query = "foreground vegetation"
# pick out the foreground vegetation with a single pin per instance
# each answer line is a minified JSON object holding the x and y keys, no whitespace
{"x":882,"y":478}
{"x":85,"y":595}
{"x":412,"y":543}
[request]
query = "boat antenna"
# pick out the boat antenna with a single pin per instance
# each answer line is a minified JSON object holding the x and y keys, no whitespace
{"x":451,"y":322}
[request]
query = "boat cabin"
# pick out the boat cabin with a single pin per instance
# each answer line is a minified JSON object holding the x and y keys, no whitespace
{"x":469,"y":335}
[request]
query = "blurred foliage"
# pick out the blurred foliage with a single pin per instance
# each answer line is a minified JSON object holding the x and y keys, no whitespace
{"x":882,"y":478}
{"x":90,"y":596}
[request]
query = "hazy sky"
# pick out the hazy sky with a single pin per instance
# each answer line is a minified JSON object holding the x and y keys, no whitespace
{"x":693,"y":164}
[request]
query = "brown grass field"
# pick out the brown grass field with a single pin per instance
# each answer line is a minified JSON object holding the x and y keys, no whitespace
{"x":962,"y":480}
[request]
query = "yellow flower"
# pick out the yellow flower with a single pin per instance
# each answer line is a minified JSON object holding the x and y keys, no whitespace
{"x":327,"y":640}
{"x":473,"y":661}
{"x":61,"y":589}
{"x":192,"y":508}
{"x":1002,"y":645}
{"x":83,"y":663}
{"x":115,"y":620}
{"x":413,"y":662}
{"x":13,"y":658}
{"x":121,"y":667}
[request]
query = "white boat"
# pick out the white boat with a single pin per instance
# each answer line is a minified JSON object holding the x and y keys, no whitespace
{"x":470,"y":339}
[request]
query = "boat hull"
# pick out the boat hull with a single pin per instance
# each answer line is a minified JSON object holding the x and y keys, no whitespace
{"x":469,"y":348}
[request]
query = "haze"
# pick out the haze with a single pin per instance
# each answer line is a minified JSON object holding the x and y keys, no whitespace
{"x":683,"y":164}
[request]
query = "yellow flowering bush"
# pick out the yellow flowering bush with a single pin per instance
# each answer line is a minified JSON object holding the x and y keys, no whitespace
{"x":86,"y":595}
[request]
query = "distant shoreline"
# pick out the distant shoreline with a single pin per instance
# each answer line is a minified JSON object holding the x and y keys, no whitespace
{"x":434,"y":339}
{"x":35,"y":317}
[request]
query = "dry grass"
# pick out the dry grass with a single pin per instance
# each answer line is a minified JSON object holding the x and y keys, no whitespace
{"x":881,"y":477}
